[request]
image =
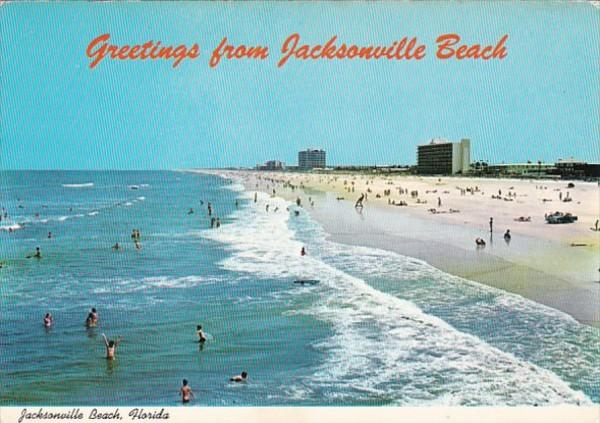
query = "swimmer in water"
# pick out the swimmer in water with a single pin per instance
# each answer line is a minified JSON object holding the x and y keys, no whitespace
{"x":186,"y":392}
{"x":239,"y":378}
{"x":94,"y":314}
{"x":48,"y":320}
{"x":37,"y":254}
{"x":49,"y":235}
{"x":89,"y":321}
{"x":507,"y":235}
{"x":111,"y":347}
{"x":201,"y":334}
{"x":191,"y":211}
{"x":116,"y":246}
{"x":138,"y":246}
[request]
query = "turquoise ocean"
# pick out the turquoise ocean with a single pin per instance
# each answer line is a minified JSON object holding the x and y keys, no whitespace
{"x":379,"y":328}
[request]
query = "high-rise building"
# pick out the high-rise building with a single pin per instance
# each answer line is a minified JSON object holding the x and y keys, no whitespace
{"x":442,"y":157}
{"x":311,"y":159}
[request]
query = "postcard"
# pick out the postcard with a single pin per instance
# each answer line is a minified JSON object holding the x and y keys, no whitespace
{"x":299,"y":211}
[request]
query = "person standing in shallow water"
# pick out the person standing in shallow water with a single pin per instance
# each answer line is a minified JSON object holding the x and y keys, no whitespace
{"x":491,"y":224}
{"x":186,"y":392}
{"x":111,"y":347}
{"x":48,"y":320}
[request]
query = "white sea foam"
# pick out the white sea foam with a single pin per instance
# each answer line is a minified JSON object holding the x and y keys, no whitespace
{"x":84,"y":185}
{"x":383,"y":346}
{"x":10,"y":228}
{"x":162,"y":282}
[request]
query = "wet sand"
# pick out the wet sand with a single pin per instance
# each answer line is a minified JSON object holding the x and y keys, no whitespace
{"x":538,"y":263}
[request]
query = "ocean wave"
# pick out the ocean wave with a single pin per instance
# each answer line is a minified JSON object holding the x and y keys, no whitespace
{"x":11,"y":228}
{"x":383,"y":346}
{"x":130,"y":285}
{"x":84,"y":185}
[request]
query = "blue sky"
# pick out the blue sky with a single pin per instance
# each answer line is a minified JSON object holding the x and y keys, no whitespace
{"x":540,"y":103}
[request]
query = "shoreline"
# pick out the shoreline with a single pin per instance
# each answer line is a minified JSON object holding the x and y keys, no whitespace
{"x":541,"y":269}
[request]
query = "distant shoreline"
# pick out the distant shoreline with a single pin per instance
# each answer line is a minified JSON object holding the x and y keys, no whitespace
{"x":536,"y":264}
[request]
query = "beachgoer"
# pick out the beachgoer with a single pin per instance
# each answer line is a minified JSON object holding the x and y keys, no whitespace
{"x":201,"y":334}
{"x":218,"y":223}
{"x":116,"y":246}
{"x":359,"y":202}
{"x":49,"y":235}
{"x":186,"y":392}
{"x":94,"y":314}
{"x":243,"y":377}
{"x":191,"y":211}
{"x":37,"y":254}
{"x":138,"y":246}
{"x":507,"y":235}
{"x":439,"y":202}
{"x":210,"y":209}
{"x":255,"y":197}
{"x":480,"y":242}
{"x":111,"y":347}
{"x":48,"y":320}
{"x":303,"y":251}
{"x":491,"y":224}
{"x":89,"y":321}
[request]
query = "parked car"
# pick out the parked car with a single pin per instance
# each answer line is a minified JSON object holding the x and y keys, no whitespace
{"x":559,"y":217}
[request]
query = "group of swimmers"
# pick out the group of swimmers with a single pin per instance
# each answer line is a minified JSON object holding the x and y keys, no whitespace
{"x":112,"y":344}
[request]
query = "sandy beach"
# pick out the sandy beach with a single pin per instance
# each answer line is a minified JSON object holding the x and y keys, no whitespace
{"x":440,"y":218}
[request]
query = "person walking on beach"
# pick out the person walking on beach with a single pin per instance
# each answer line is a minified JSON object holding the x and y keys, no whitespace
{"x":303,"y":251}
{"x":255,"y":197}
{"x":186,"y":392}
{"x":111,"y":347}
{"x":491,"y":224}
{"x":439,"y":201}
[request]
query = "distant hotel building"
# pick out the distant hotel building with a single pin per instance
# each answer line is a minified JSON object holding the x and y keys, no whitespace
{"x":311,"y":159}
{"x":271,"y":165}
{"x":442,"y":157}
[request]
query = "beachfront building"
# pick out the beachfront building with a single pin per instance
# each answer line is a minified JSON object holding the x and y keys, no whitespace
{"x":576,"y":169}
{"x":271,"y":165}
{"x":442,"y":157}
{"x":521,"y":170}
{"x":311,"y":159}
